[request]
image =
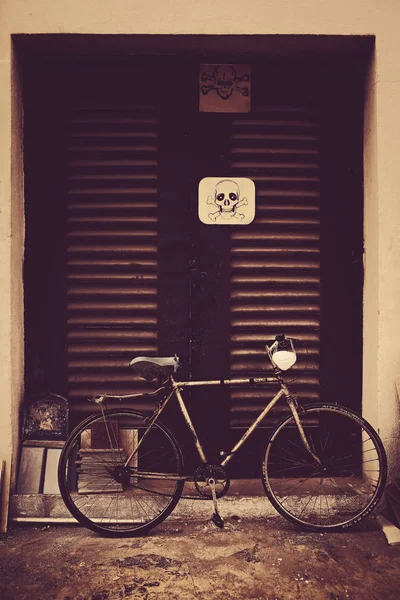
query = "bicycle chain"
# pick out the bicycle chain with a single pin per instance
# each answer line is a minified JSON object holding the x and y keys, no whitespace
{"x":201,"y":480}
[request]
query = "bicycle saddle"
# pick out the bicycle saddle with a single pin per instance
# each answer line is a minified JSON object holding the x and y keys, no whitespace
{"x":155,"y":368}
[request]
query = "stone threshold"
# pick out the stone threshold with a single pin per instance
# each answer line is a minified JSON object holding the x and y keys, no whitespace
{"x":245,"y":499}
{"x":245,"y":496}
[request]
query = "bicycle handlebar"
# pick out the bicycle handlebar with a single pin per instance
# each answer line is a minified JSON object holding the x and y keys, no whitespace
{"x":280,"y":340}
{"x":280,"y":337}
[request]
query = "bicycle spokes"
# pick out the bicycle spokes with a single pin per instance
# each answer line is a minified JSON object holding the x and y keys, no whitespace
{"x":342,"y":486}
{"x":110,"y":496}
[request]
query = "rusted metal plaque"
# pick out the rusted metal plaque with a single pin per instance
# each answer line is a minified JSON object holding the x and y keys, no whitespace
{"x":46,"y":418}
{"x":225,"y":88}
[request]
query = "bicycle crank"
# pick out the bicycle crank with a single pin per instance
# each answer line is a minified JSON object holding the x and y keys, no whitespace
{"x":216,"y":518}
{"x":212,"y":482}
{"x":202,"y":477}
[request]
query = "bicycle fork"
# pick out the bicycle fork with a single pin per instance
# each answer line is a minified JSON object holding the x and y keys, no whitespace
{"x":293,"y":407}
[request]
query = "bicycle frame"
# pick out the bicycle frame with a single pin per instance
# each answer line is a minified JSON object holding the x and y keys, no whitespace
{"x":182,"y":384}
{"x":177,"y":386}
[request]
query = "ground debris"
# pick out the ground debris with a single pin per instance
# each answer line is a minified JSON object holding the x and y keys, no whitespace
{"x":240,"y":565}
{"x":101,"y":595}
{"x":147,"y":561}
{"x":249,"y":554}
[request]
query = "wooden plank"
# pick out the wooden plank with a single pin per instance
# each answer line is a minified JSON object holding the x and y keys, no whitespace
{"x":2,"y":478}
{"x":44,"y":443}
{"x":4,"y":497}
{"x":128,"y":439}
{"x":31,"y":470}
{"x":2,"y":475}
{"x":391,"y":532}
{"x":93,"y":475}
{"x":397,"y":381}
{"x":50,"y":485}
{"x":59,"y":520}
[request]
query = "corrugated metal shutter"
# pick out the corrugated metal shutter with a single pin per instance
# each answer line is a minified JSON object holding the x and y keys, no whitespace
{"x":275,"y":277}
{"x":112,"y":249}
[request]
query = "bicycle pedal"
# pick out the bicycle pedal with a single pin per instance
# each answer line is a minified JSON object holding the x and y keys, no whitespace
{"x":218,"y":520}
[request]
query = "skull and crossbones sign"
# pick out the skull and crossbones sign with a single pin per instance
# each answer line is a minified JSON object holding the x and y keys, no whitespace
{"x":227,"y":199}
{"x":224,"y":80}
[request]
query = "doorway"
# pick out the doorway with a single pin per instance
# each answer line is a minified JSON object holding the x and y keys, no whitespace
{"x":118,"y":263}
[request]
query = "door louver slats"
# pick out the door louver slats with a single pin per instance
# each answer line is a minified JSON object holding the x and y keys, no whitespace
{"x":275,"y":261}
{"x":112,"y":249}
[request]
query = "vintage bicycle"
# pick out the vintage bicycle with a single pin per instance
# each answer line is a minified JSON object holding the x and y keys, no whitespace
{"x":121,"y":472}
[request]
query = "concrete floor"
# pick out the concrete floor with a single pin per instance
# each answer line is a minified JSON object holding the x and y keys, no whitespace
{"x":250,"y":559}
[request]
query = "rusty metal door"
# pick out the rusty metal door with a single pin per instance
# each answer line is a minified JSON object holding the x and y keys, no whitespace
{"x":244,"y":284}
{"x":111,"y":247}
{"x":142,"y":275}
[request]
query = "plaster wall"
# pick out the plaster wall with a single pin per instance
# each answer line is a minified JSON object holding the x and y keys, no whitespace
{"x":5,"y":283}
{"x":387,"y":277}
{"x":382,"y":147}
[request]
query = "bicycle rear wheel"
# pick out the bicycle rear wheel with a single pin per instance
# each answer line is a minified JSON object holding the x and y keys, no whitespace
{"x":347,"y":484}
{"x":108,"y":496}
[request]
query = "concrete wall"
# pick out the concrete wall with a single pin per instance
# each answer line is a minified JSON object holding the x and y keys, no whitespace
{"x":5,"y":269}
{"x":11,"y":265}
{"x":382,"y":148}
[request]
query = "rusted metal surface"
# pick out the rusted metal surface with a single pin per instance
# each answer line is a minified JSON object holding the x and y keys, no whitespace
{"x":275,"y":261}
{"x":46,"y":418}
{"x":112,"y":250}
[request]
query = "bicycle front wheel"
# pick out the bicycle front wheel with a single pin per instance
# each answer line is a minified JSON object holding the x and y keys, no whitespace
{"x":339,"y":487}
{"x":110,"y":494}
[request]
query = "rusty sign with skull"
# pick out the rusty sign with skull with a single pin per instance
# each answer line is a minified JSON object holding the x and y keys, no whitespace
{"x":225,"y":88}
{"x":226,"y":201}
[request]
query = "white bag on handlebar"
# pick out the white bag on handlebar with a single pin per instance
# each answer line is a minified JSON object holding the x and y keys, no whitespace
{"x":285,"y":357}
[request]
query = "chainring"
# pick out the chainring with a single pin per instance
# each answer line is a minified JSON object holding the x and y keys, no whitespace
{"x":204,"y":473}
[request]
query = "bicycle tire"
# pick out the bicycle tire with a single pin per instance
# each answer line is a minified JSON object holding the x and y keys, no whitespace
{"x":347,"y":485}
{"x":106,"y":497}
